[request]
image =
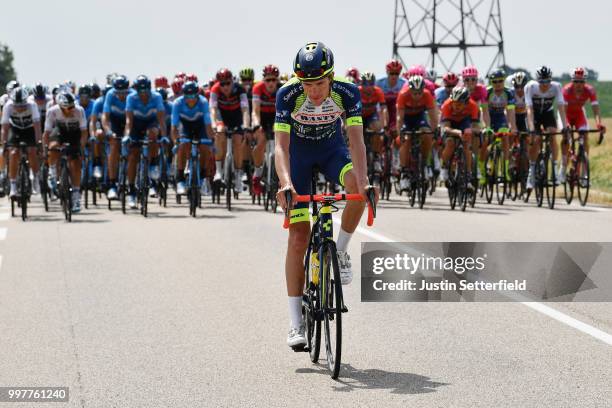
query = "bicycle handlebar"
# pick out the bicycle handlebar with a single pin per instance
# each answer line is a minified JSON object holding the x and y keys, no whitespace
{"x":206,"y":142}
{"x":330,"y":199}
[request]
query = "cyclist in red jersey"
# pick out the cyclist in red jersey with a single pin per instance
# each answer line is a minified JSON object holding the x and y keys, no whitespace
{"x":459,"y":116}
{"x":412,"y":103}
{"x":353,"y":75}
{"x":229,"y":109}
{"x":374,"y":113}
{"x":576,"y":95}
{"x":264,"y":113}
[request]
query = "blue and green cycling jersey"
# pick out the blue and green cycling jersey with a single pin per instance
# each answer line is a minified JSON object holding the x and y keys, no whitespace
{"x":182,"y":113}
{"x":297,"y":115}
{"x":498,"y":105}
{"x":145,"y":111}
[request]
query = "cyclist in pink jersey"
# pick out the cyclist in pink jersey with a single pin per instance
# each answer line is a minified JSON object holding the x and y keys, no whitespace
{"x":479,"y":94}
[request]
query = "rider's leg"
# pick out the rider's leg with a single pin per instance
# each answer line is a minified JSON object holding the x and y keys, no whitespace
{"x":221,"y":150}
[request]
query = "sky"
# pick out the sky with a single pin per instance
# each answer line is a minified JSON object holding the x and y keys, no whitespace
{"x":83,"y":40}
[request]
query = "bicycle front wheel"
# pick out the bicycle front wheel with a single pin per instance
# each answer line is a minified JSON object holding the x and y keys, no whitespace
{"x":331,"y":303}
{"x":551,"y":181}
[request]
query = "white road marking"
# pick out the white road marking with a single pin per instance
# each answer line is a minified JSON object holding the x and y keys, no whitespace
{"x":3,"y":232}
{"x":539,"y":307}
{"x":4,"y":216}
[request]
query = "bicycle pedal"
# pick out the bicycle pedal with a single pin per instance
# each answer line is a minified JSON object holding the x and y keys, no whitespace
{"x":300,"y":349}
{"x":344,"y":309}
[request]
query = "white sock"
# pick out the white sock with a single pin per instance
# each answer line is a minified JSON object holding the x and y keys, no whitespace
{"x":258,"y":171}
{"x":295,"y":311}
{"x":343,"y":240}
{"x":218,"y":166}
{"x":52,"y":171}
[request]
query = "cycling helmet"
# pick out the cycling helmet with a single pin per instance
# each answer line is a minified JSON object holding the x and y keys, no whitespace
{"x":142,"y":83}
{"x":180,"y":74}
{"x":416,"y":83}
{"x":19,"y":96}
{"x":271,"y":70}
{"x":368,"y":78}
{"x":190,"y":88}
{"x":177,"y":85}
{"x":85,"y":90}
{"x":65,"y":100}
{"x":460,"y":94}
{"x":40,"y":91}
{"x":106,"y":89}
{"x":224,"y":74}
{"x":191,"y":77}
{"x":497,"y":74}
{"x":161,"y":82}
{"x":450,"y":79}
{"x":70,"y":84}
{"x":95,"y":90}
{"x":11,"y":85}
{"x":432,"y":75}
{"x":417,"y":70}
{"x":519,"y":79}
{"x":121,"y":83}
{"x":544,"y":73}
{"x":353,"y":75}
{"x":313,"y":62}
{"x":163,"y":92}
{"x":579,"y":74}
{"x":55,"y":90}
{"x":247,"y":74}
{"x":393,"y":67}
{"x":469,"y":72}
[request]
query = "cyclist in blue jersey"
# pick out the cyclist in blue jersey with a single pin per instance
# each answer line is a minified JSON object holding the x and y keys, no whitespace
{"x":191,"y":120}
{"x":85,"y":101}
{"x":308,"y":132}
{"x":95,"y":130}
{"x":501,"y":118}
{"x":167,"y":107}
{"x":449,"y":80}
{"x":144,"y":117}
{"x":113,"y":122}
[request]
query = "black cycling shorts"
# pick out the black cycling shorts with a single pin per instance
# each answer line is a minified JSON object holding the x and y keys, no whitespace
{"x":544,"y":120}
{"x":17,"y":136}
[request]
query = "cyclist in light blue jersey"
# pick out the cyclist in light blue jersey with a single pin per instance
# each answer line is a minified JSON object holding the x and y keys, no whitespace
{"x":113,"y":123}
{"x":144,"y":117}
{"x":191,"y":120}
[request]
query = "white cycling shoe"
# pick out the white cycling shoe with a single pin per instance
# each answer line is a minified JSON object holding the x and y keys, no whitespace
{"x":131,"y":201}
{"x":297,"y":337}
{"x":344,"y":261}
{"x":443,"y":174}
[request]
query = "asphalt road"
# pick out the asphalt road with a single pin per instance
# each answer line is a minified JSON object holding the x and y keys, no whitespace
{"x":172,"y":311}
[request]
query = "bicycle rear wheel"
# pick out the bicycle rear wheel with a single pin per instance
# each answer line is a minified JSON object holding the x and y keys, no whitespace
{"x":583,"y":180}
{"x":43,"y":186}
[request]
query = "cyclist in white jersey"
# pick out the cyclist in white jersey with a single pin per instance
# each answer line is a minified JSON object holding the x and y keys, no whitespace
{"x":21,"y":119}
{"x":541,"y":96}
{"x":66,"y":123}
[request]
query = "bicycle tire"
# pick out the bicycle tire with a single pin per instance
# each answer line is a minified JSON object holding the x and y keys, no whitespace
{"x":24,"y":177}
{"x":144,"y":187}
{"x":540,"y":178}
{"x":583,"y":177}
{"x":500,"y":177}
{"x":551,"y":181}
{"x":331,"y":302}
{"x":193,"y":189}
{"x":489,"y":175}
{"x":229,"y":189}
{"x":310,"y":305}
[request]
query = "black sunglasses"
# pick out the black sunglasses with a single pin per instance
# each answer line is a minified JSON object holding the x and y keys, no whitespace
{"x":225,"y":83}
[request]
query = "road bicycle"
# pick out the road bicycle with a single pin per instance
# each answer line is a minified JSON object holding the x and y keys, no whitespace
{"x":578,"y":171}
{"x":495,"y":169}
{"x":415,"y":172}
{"x":322,"y":300}
{"x":461,"y":185}
{"x":24,"y":184}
